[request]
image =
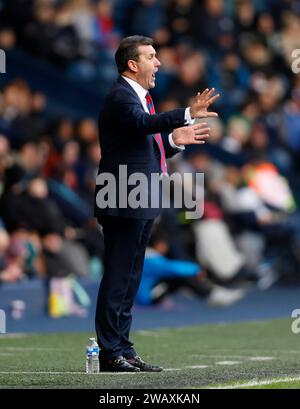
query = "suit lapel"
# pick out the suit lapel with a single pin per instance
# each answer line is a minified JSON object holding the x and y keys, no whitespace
{"x":128,"y":86}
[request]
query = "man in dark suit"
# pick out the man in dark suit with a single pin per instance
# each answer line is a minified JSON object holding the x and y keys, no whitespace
{"x":132,"y":134}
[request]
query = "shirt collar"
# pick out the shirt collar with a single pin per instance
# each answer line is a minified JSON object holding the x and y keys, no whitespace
{"x":141,"y":92}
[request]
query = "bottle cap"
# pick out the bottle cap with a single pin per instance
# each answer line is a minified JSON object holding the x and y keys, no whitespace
{"x":92,"y":339}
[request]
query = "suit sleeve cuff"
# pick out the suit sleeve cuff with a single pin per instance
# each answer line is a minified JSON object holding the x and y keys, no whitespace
{"x":172,"y":144}
{"x":187,"y":117}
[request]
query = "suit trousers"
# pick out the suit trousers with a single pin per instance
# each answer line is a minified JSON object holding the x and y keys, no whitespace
{"x":125,"y":241}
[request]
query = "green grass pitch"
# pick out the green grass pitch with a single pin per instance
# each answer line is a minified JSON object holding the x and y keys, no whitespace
{"x":260,"y":354}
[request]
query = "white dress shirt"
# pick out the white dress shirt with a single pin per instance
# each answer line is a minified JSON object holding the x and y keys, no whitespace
{"x":142,"y":92}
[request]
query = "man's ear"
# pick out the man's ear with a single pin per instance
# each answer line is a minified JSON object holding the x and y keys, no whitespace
{"x":132,"y":65}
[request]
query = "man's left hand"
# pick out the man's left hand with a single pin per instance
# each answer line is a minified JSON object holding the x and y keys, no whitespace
{"x":201,"y":103}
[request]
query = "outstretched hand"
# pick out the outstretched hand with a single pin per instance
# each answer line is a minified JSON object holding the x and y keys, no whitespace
{"x":201,"y":103}
{"x":191,"y":135}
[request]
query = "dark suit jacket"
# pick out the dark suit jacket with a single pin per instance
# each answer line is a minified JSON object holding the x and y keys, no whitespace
{"x":126,"y":138}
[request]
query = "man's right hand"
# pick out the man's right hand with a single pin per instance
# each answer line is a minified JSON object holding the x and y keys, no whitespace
{"x":201,"y":103}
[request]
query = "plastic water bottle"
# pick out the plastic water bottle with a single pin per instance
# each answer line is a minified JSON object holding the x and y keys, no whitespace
{"x":92,"y":357}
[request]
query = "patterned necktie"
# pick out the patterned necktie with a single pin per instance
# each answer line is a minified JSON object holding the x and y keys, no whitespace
{"x":157,"y":136}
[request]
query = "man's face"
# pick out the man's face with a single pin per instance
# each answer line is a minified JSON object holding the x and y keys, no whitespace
{"x":147,"y":66}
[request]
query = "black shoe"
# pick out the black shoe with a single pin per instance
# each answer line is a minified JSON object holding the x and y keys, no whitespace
{"x":118,"y":364}
{"x":139,"y":363}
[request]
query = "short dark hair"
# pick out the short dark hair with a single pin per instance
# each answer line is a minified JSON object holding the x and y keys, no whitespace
{"x":128,"y":50}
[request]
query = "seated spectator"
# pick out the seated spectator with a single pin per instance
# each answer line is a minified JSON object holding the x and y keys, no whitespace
{"x":11,"y":265}
{"x":105,"y":31}
{"x":35,"y":211}
{"x":175,"y":275}
{"x":254,"y":207}
{"x":66,"y":168}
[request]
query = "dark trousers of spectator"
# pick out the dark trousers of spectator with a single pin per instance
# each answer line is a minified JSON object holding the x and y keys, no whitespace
{"x":201,"y":288}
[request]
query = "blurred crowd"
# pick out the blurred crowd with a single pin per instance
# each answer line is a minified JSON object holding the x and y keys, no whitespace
{"x":243,"y":48}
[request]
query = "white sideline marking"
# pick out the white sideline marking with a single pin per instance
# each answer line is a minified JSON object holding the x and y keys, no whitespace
{"x":257,"y":383}
{"x":37,"y":372}
{"x":261,"y":358}
{"x":62,"y":373}
{"x":173,"y":369}
{"x":187,"y":367}
{"x":196,"y":367}
{"x":245,"y":351}
{"x":218,"y":356}
{"x":14,"y":335}
{"x":257,"y":358}
{"x":100,"y":373}
{"x":148,"y":333}
{"x":21,"y":349}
